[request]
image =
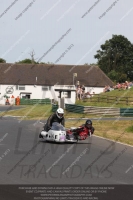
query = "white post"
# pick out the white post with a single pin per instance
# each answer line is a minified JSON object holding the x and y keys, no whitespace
{"x":74,"y":75}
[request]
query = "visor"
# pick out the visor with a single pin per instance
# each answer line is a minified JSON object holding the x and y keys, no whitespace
{"x":89,"y":125}
{"x":61,"y":115}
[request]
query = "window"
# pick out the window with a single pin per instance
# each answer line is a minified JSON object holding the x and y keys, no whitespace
{"x":67,"y":94}
{"x":20,"y":87}
{"x":45,"y":88}
{"x":27,"y":96}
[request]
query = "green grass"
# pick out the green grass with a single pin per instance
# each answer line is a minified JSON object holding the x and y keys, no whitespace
{"x":108,"y":129}
{"x":43,"y":111}
{"x":39,"y":111}
{"x":30,"y":111}
{"x":103,"y":102}
{"x":129,"y":129}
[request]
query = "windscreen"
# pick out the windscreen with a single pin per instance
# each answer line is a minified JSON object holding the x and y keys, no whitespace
{"x":57,"y":127}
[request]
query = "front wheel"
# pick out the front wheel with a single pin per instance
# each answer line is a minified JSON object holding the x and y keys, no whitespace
{"x":71,"y":138}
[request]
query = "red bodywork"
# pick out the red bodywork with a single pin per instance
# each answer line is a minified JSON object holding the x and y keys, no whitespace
{"x":82,"y":132}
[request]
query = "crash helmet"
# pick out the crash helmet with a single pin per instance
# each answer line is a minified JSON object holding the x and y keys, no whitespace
{"x":60,"y":113}
{"x":88,"y":123}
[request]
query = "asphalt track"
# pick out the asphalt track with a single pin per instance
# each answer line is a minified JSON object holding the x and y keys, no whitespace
{"x":26,"y":159}
{"x":9,"y":107}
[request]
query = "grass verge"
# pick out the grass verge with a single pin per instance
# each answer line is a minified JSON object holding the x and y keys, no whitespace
{"x":107,"y":129}
{"x":110,"y":129}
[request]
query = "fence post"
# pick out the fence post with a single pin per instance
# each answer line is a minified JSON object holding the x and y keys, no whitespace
{"x":98,"y":97}
{"x":90,"y":98}
{"x":127,"y":100}
{"x":116,"y":99}
{"x":107,"y":99}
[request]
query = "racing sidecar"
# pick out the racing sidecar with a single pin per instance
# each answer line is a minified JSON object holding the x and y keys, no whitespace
{"x":58,"y":133}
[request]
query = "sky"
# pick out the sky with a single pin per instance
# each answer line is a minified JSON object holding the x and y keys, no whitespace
{"x":61,"y":31}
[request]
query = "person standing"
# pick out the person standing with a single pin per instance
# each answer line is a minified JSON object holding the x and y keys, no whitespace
{"x":79,"y":92}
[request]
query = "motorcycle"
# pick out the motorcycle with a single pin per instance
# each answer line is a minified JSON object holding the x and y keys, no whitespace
{"x":58,"y":133}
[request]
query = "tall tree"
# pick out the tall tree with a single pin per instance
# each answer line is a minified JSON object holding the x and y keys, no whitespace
{"x":116,"y":54}
{"x":25,"y":61}
{"x":32,"y":54}
{"x":2,"y":60}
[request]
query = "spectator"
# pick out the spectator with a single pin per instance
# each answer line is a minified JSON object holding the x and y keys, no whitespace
{"x":83,"y":91}
{"x":18,"y":101}
{"x":126,"y":84}
{"x":88,"y":95}
{"x":107,"y":88}
{"x":83,"y":88}
{"x":7,"y":102}
{"x":79,"y":92}
{"x":118,"y":86}
{"x":111,"y":88}
{"x":130,"y":85}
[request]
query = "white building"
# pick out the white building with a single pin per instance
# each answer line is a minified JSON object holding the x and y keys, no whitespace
{"x":39,"y":81}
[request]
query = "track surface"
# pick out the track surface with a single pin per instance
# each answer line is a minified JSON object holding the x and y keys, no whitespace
{"x":26,"y":159}
{"x":8,"y":108}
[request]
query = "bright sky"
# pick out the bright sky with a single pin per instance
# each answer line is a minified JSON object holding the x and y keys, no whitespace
{"x":61,"y":31}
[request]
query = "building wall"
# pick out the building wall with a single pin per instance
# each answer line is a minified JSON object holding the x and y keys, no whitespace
{"x":96,"y":90}
{"x":73,"y":94}
{"x":49,"y":92}
{"x":36,"y":92}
